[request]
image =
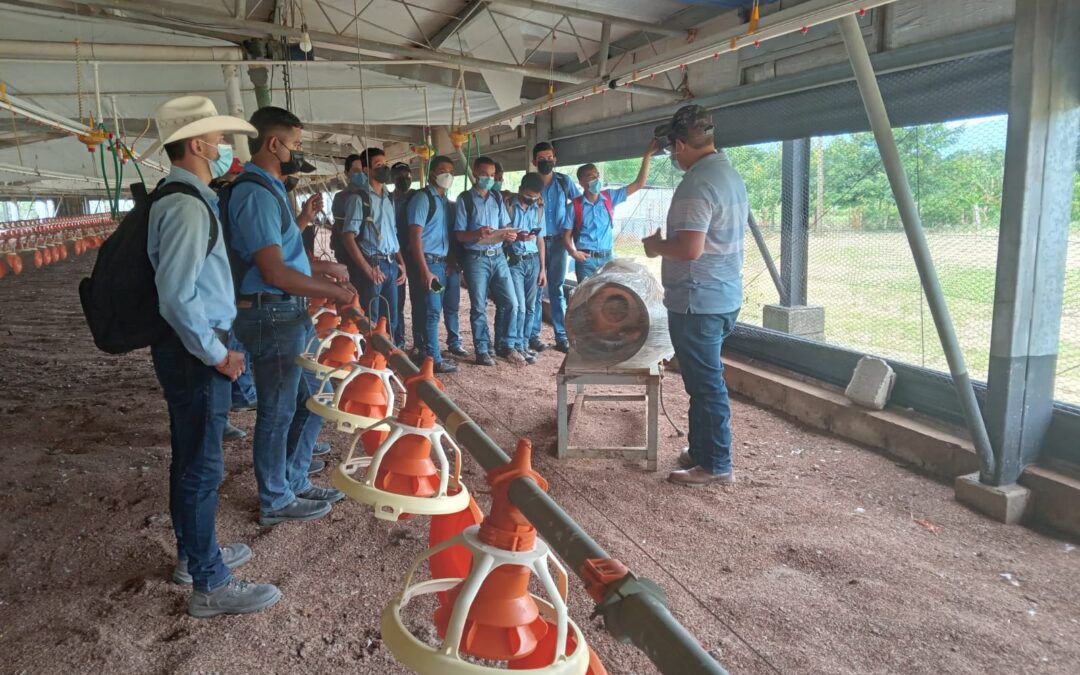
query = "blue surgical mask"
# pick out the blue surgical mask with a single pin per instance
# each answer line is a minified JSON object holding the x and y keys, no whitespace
{"x":595,"y":186}
{"x":497,"y":185}
{"x":220,"y":166}
{"x":359,"y":179}
{"x":485,"y":182}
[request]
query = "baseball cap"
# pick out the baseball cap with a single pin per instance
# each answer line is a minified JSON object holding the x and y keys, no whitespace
{"x":685,"y":118}
{"x":400,"y":166}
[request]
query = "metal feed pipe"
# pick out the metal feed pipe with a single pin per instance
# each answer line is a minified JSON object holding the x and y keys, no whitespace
{"x":783,"y":22}
{"x":634,"y":609}
{"x":920,"y":249}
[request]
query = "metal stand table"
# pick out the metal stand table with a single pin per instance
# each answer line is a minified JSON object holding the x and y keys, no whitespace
{"x":573,"y":372}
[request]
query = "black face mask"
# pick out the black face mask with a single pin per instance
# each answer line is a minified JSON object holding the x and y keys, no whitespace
{"x":529,"y":200}
{"x":290,"y":183}
{"x":545,"y":166}
{"x":381,"y":175}
{"x":293,"y":164}
{"x":402,"y":184}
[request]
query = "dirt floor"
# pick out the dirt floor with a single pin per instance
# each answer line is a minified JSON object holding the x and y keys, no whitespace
{"x":825,"y":557}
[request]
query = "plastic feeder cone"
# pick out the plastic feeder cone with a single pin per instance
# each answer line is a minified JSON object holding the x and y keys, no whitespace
{"x":490,"y":614}
{"x":544,"y":655}
{"x":453,"y":562}
{"x":359,"y":396}
{"x":62,"y":248}
{"x":402,"y":478}
{"x":14,"y":261}
{"x":326,"y":321}
{"x":78,"y":247}
{"x":47,"y":255}
{"x":343,"y":347}
{"x":315,"y":304}
{"x":3,"y":269}
{"x":39,"y":259}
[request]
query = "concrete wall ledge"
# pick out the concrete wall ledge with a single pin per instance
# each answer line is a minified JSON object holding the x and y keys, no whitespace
{"x":931,"y":445}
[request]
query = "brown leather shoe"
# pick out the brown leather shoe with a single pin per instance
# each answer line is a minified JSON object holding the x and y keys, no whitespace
{"x":697,"y":476}
{"x":685,"y":461}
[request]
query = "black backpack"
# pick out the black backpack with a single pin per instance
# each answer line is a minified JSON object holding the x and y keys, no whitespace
{"x":238,"y":265}
{"x":338,"y":233}
{"x":119,"y":298}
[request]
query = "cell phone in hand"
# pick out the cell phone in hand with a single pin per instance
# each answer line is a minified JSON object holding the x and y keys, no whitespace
{"x":436,"y":287}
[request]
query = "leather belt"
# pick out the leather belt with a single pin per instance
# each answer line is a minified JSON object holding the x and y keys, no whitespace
{"x":596,"y":254}
{"x":434,"y":258}
{"x":486,"y":253}
{"x":380,"y":257}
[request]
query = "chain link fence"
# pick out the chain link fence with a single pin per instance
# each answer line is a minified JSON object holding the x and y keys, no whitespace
{"x":860,"y":268}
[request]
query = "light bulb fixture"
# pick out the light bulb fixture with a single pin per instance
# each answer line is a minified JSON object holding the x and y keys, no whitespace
{"x":305,"y":40}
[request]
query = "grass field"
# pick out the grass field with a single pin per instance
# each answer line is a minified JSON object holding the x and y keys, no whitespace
{"x":873,"y":302}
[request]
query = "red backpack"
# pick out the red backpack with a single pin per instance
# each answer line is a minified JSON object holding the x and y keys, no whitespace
{"x":579,"y":212}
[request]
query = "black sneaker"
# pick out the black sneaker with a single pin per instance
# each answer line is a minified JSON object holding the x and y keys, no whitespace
{"x":484,"y":359}
{"x":321,"y":494}
{"x":232,"y":433}
{"x":316,"y":466}
{"x":537,"y":345}
{"x":529,"y":357}
{"x":445,"y":367}
{"x":562,"y":346}
{"x":458,"y":351}
{"x":235,"y":597}
{"x":300,"y":510}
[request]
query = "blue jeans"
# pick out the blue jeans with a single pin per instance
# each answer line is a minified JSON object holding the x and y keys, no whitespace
{"x":451,"y":304}
{"x":285,"y":431}
{"x":697,"y":339}
{"x":433,"y":310}
{"x":483,"y":273}
{"x":590,"y":267}
{"x":198,"y":399}
{"x":524,"y":275}
{"x":556,"y":262}
{"x":243,"y":390}
{"x":387,"y":294}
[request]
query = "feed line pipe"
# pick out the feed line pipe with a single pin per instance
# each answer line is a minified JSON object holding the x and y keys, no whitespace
{"x":920,"y":249}
{"x":634,"y":609}
{"x":766,"y":255}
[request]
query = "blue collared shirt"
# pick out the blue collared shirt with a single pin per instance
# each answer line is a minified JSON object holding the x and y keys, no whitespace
{"x":596,"y":226}
{"x":195,"y":290}
{"x":558,"y":212}
{"x":489,"y":210}
{"x":525,"y":218}
{"x":255,"y":223}
{"x":712,"y":199}
{"x":435,"y":235}
{"x":384,"y":218}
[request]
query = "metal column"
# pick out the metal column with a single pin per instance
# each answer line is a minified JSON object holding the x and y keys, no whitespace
{"x":794,"y":221}
{"x":1040,"y":158}
{"x":920,"y":250}
{"x":234,"y":100}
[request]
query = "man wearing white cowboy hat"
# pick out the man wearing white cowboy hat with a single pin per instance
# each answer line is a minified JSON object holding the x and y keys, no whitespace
{"x":193,"y":364}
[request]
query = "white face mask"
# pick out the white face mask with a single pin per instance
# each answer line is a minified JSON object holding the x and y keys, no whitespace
{"x":675,"y":161}
{"x":444,"y":180}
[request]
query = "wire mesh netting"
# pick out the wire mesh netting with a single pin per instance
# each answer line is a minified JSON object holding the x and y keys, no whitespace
{"x":860,"y":268}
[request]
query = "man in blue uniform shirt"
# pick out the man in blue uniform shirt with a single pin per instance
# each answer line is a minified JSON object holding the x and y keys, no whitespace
{"x":557,"y":193}
{"x":272,"y":321}
{"x":480,"y":213}
{"x":193,"y":364}
{"x":428,"y":212}
{"x":591,"y":238}
{"x":526,"y":260}
{"x":371,"y":241}
{"x":702,"y":277}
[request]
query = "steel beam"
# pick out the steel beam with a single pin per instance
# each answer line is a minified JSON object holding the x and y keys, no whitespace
{"x":1040,"y":160}
{"x":235,"y":102}
{"x":654,"y":27}
{"x":766,"y":255}
{"x":920,"y":250}
{"x":794,"y":221}
{"x":635,"y":610}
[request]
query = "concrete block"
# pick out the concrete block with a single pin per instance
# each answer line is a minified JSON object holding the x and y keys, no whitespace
{"x":806,"y":321}
{"x":871,"y":383}
{"x":1007,"y":503}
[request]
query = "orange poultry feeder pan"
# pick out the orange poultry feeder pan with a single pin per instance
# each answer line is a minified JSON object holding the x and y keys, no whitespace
{"x":359,"y":396}
{"x":490,"y":615}
{"x":14,"y":261}
{"x":402,"y":478}
{"x":335,"y":351}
